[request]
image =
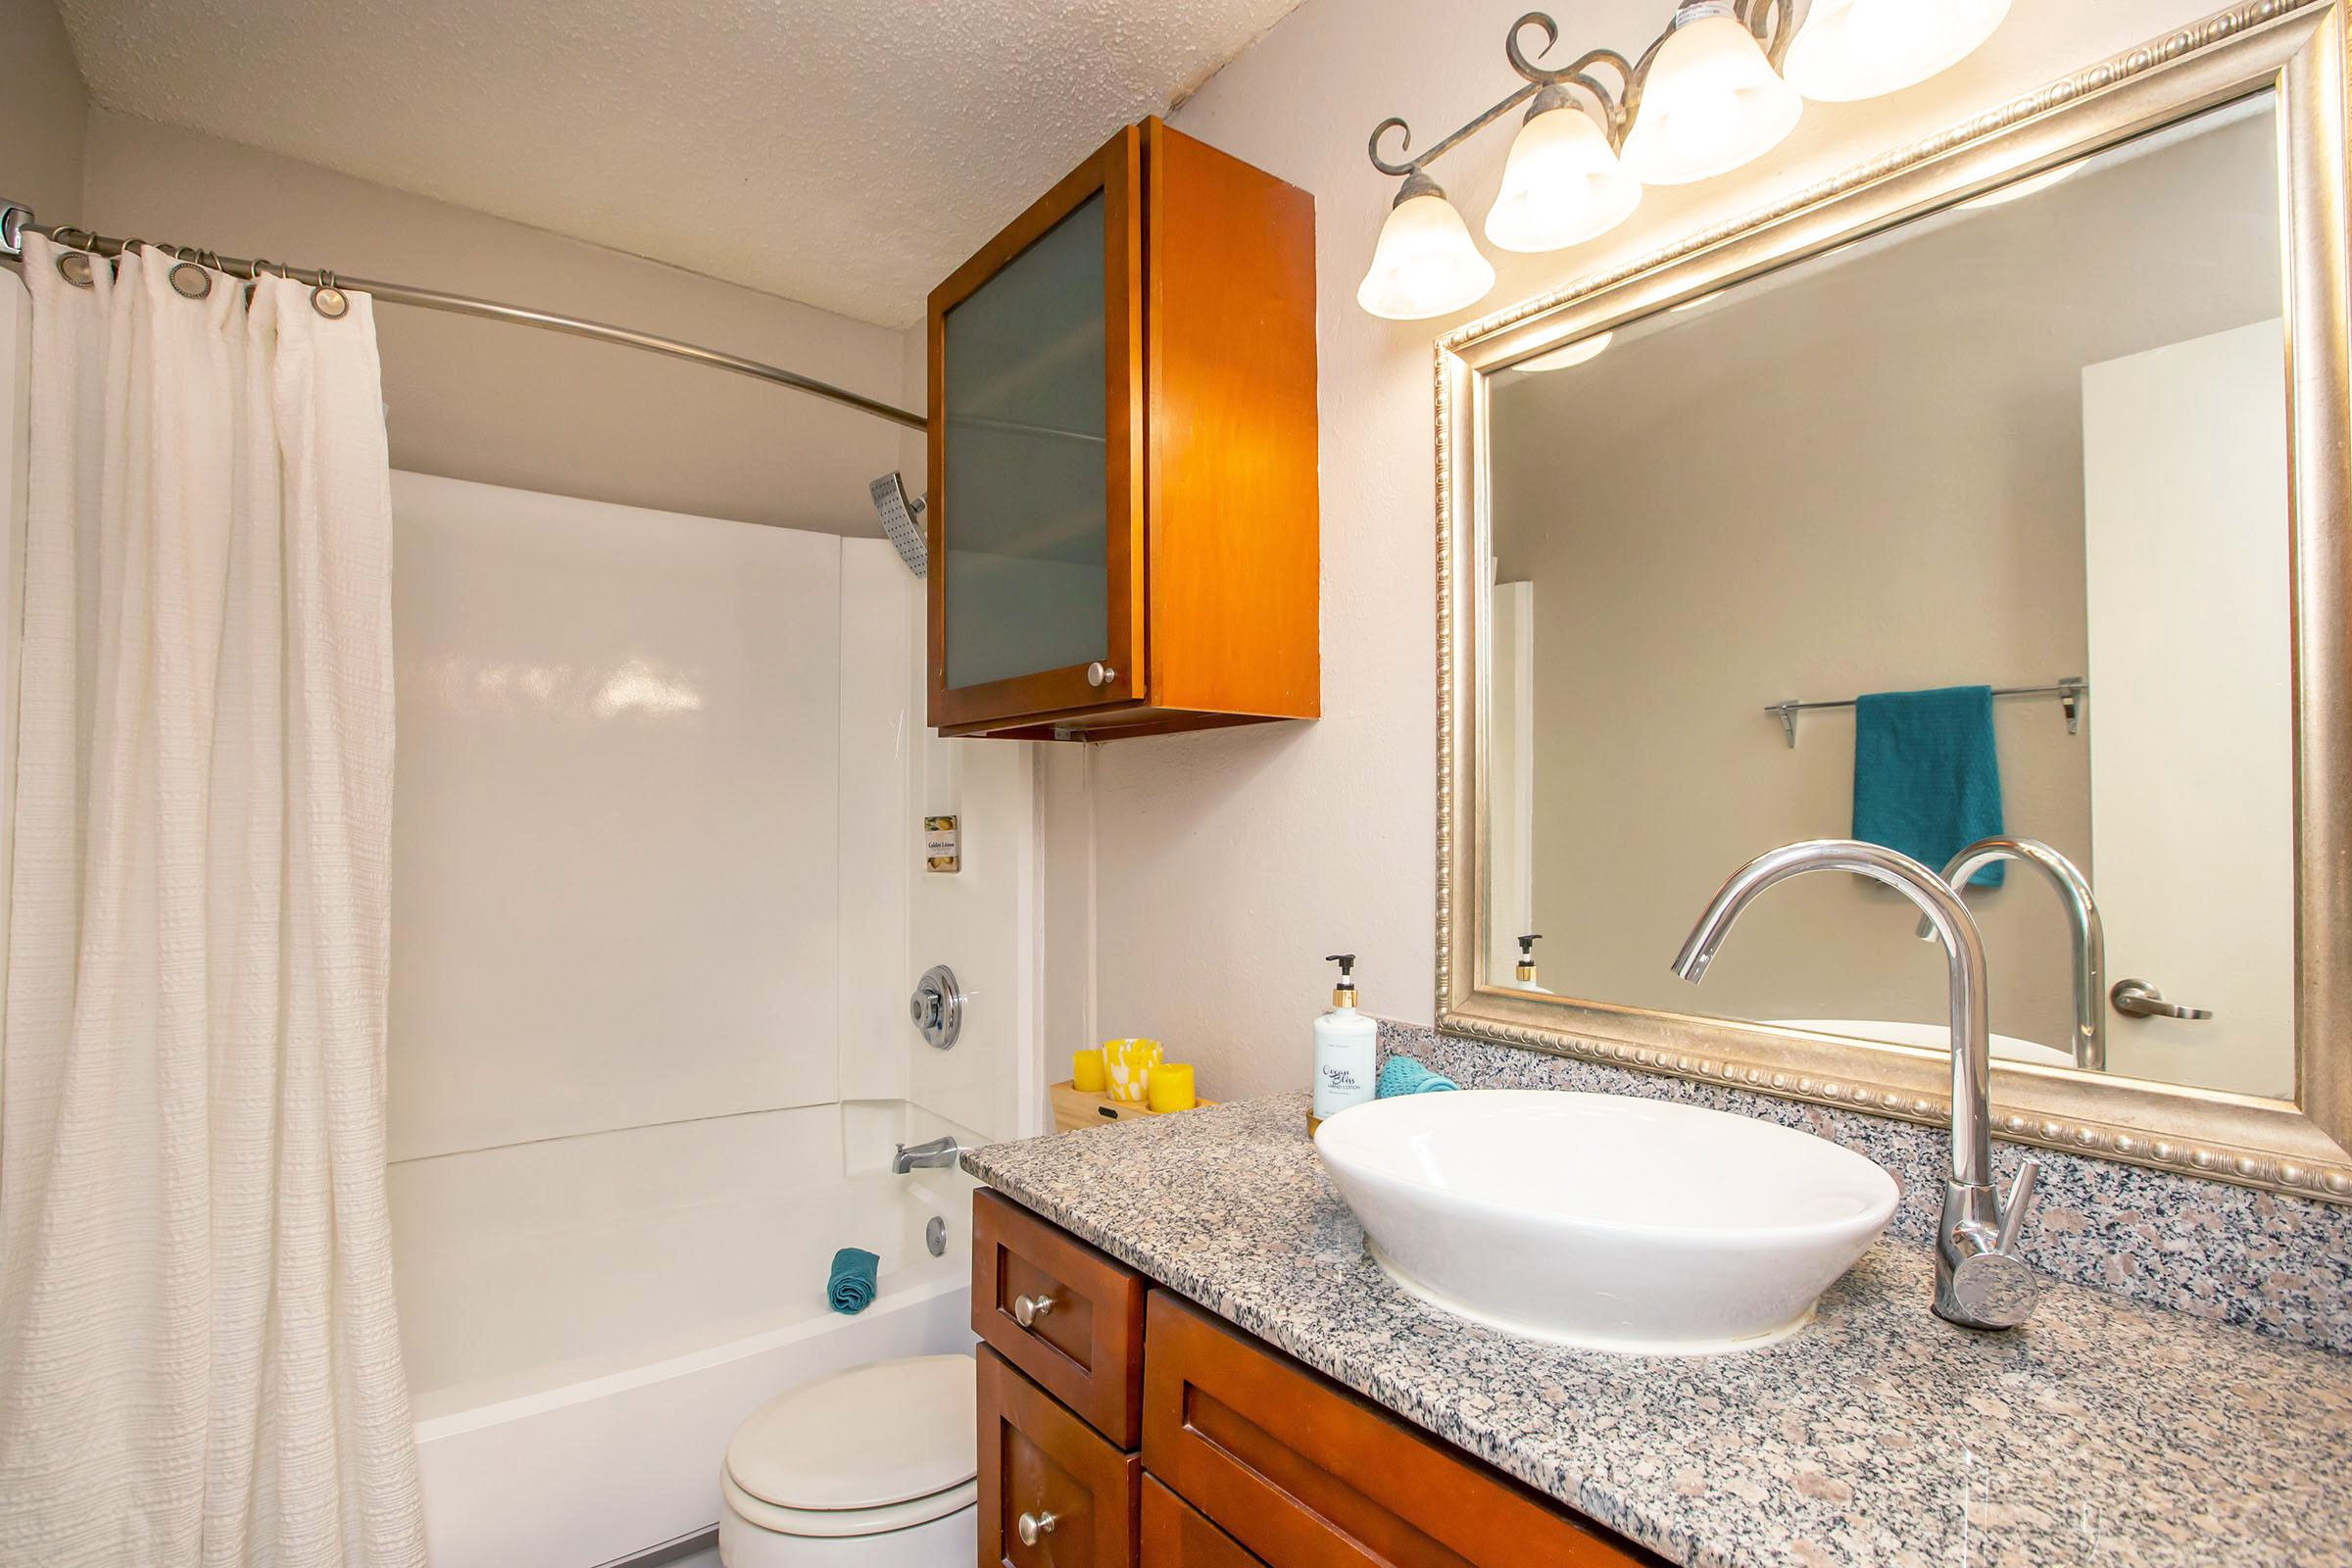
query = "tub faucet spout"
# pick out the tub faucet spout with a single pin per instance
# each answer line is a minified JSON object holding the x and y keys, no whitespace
{"x":937,"y":1155}
{"x":1981,"y":1280}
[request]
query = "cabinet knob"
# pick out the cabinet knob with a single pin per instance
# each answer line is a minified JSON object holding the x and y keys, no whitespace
{"x":1027,"y":1309}
{"x":1030,"y":1526}
{"x":1098,"y":673}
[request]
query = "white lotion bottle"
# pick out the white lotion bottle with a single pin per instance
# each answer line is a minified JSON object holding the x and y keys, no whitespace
{"x":1347,"y":1049}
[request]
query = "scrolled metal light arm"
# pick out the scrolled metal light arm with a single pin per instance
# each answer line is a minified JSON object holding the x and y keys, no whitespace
{"x":1614,"y":103}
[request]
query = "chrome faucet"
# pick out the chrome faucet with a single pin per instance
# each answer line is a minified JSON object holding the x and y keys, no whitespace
{"x":937,"y":1155}
{"x":2083,"y":913}
{"x":1981,"y":1282}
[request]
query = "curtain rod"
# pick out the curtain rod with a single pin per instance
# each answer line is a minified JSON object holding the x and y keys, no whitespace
{"x":16,"y":221}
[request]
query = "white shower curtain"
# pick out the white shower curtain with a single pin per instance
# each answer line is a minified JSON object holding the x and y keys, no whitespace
{"x":199,"y":1356}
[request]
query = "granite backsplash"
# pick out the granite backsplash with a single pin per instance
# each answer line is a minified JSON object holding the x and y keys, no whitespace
{"x":2276,"y":1264}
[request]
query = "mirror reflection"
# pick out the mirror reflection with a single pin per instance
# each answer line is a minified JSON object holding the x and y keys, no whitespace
{"x":1977,"y":526}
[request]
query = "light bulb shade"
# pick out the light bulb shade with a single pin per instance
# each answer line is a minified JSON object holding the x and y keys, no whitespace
{"x":1849,"y":49}
{"x":1424,"y":263}
{"x":1582,"y":352}
{"x":1562,"y":185}
{"x":1711,"y":103}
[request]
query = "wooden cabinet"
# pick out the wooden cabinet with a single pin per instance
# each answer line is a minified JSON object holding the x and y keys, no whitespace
{"x":1177,"y":1536}
{"x":1065,"y":1314}
{"x":1247,"y":1458}
{"x":1309,"y":1475}
{"x":1123,"y":514}
{"x":1053,"y":1494}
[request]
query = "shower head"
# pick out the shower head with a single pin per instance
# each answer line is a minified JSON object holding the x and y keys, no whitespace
{"x":898,"y":520}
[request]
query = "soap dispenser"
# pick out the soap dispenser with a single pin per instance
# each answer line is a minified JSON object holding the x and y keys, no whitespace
{"x":1525,"y":977}
{"x":1347,"y":1049}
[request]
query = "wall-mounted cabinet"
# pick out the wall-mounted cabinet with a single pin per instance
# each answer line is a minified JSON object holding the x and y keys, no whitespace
{"x":1123,"y":518}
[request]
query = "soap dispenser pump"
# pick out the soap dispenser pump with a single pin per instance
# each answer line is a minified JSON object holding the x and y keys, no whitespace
{"x":1525,"y":978}
{"x":1347,"y":1049}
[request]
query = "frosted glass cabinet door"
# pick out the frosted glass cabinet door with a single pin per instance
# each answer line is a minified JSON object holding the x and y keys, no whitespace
{"x":1033,"y":402}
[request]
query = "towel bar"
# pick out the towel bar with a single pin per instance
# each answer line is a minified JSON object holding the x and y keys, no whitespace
{"x":2071,"y":692}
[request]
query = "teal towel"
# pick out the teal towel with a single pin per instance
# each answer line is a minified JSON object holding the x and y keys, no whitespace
{"x":1926,"y":779}
{"x":1403,"y":1075}
{"x":850,"y":1286}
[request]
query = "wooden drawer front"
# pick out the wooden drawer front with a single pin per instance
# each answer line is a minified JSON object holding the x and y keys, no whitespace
{"x":1175,"y":1535}
{"x":1345,"y":1484}
{"x":1038,"y":1460}
{"x":1087,"y":1349}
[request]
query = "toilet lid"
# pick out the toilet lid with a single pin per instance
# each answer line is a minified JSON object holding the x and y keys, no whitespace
{"x":866,"y":1437}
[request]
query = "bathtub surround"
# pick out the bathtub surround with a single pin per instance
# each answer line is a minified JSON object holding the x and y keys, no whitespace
{"x":2276,"y":1264}
{"x":199,"y":1355}
{"x":655,"y":914}
{"x":1877,"y":1436}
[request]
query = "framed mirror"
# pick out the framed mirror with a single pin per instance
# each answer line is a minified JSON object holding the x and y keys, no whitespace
{"x":2034,"y":434}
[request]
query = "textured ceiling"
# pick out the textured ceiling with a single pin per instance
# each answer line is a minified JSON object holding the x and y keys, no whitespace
{"x":847,"y":153}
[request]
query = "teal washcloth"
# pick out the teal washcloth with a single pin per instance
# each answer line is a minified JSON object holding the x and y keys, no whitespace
{"x":1926,"y":779}
{"x":1403,"y":1075}
{"x":851,"y":1285}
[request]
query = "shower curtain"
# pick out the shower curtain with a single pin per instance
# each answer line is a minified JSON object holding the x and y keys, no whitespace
{"x":199,"y":1356}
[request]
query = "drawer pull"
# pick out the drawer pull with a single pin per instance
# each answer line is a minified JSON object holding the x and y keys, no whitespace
{"x":1030,"y":1526}
{"x":1026,"y":1311}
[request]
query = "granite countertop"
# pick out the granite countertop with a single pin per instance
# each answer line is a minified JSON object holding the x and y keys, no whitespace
{"x":2101,"y":1434}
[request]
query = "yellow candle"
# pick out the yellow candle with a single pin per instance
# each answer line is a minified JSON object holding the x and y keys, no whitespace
{"x":1171,"y":1086}
{"x":1086,"y":1072}
{"x":1128,"y":1065}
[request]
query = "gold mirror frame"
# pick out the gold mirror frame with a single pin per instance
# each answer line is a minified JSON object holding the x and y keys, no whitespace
{"x":2301,"y":1145}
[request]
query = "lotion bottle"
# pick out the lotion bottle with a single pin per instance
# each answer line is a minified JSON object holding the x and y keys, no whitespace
{"x":1524,"y":976}
{"x":1347,"y":1049}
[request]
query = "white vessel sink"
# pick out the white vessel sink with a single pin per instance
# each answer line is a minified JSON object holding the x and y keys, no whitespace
{"x":1600,"y":1220}
{"x":1928,"y":1036}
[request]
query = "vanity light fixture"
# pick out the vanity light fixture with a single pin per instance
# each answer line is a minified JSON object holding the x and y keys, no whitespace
{"x":1584,"y":351}
{"x":1861,"y":48}
{"x":1426,"y":262}
{"x":1711,"y":99}
{"x":2018,"y":189}
{"x":1563,"y":184}
{"x":1716,"y":90}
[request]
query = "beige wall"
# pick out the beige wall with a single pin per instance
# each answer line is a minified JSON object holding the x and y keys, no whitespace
{"x":1865,"y":474}
{"x":537,"y":411}
{"x":1229,"y":862}
{"x":43,"y":107}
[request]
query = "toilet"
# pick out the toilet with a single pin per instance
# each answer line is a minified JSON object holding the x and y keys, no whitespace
{"x":875,"y":1467}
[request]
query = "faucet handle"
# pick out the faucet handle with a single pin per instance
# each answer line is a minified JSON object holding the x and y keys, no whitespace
{"x":1992,"y":1286}
{"x":1994,"y":1291}
{"x":2015,"y":1206}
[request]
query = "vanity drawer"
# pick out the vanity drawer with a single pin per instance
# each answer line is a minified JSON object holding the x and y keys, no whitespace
{"x":1347,"y":1485}
{"x":1086,"y":1345}
{"x":1040,"y":1464}
{"x":1176,"y":1536}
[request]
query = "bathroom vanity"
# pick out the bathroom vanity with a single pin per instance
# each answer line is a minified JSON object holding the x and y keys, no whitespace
{"x":1171,"y":1438}
{"x":1190,"y":1359}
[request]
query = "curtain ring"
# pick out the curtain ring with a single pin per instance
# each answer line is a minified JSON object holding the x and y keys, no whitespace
{"x":328,"y":300}
{"x":75,"y":267}
{"x":190,"y":280}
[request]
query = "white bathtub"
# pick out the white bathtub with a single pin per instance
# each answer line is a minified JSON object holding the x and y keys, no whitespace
{"x":576,"y":1363}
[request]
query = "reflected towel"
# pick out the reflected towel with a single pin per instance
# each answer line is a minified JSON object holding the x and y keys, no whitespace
{"x":1403,"y":1075}
{"x":1926,"y":778}
{"x":850,"y":1286}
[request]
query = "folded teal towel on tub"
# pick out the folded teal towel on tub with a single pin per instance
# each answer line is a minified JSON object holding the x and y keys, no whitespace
{"x":850,"y":1286}
{"x":1926,"y":777}
{"x":1403,"y":1075}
